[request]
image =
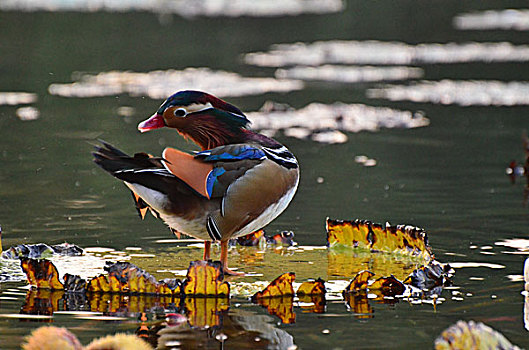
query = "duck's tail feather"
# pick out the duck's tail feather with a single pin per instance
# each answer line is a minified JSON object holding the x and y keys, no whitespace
{"x":116,"y":162}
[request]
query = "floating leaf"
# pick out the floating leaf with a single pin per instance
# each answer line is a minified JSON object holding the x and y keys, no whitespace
{"x":388,"y":286}
{"x":251,"y":240}
{"x":471,"y":335}
{"x":432,"y":277}
{"x":312,"y":288}
{"x":281,"y":286}
{"x":284,"y":237}
{"x":124,"y":277}
{"x":205,"y":278}
{"x":259,"y":237}
{"x":359,"y":282}
{"x":41,"y":251}
{"x":74,"y":283}
{"x":401,"y":239}
{"x":41,"y":274}
{"x":205,"y":312}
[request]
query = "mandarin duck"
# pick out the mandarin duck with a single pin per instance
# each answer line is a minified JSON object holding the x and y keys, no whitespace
{"x":238,"y":183}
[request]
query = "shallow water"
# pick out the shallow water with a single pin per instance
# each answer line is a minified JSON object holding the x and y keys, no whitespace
{"x":447,"y":177}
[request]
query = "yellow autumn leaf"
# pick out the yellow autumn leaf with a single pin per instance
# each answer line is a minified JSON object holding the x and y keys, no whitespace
{"x":312,"y":288}
{"x":359,"y":282}
{"x":42,"y":274}
{"x":400,"y":239}
{"x":281,"y":286}
{"x":205,"y":278}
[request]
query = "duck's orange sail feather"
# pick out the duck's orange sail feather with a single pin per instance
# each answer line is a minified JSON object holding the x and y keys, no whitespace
{"x":189,"y":169}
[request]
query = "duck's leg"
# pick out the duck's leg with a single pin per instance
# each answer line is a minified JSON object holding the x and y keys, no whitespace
{"x":207,"y":250}
{"x":224,"y":260}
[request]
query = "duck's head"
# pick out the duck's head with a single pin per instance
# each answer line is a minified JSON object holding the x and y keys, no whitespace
{"x":204,"y":118}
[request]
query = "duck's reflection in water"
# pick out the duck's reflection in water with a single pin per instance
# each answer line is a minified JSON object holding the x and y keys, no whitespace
{"x":169,"y":322}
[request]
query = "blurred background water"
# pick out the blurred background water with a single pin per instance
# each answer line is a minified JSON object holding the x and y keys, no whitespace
{"x":448,"y":177}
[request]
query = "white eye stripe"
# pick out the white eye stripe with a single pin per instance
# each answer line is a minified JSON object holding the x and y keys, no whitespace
{"x":198,"y":107}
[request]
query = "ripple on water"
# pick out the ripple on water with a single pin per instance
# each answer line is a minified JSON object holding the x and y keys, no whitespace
{"x":458,"y":92}
{"x":210,"y":8}
{"x":160,"y":84}
{"x":333,"y":120}
{"x":17,"y":98}
{"x":350,"y":74}
{"x":508,"y":19}
{"x":380,"y":52}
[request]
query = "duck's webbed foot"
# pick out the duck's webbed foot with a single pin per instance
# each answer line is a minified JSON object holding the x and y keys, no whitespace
{"x":224,"y":260}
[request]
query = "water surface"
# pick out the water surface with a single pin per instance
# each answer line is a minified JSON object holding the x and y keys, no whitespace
{"x":447,"y":177}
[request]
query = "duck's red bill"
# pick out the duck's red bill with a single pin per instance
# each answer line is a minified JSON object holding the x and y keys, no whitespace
{"x":154,"y":122}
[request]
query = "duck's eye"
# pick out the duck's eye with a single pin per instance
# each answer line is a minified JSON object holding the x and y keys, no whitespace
{"x":180,"y":112}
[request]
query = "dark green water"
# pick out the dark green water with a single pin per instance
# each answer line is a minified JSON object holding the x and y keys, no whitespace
{"x":447,"y":177}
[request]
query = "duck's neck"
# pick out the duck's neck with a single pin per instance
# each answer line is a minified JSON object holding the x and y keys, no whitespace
{"x":209,"y":132}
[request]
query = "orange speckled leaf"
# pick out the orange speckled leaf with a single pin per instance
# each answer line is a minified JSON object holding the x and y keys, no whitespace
{"x":205,"y":278}
{"x":127,"y":278}
{"x":205,"y":312}
{"x":400,"y":239}
{"x":99,"y":284}
{"x":359,"y":282}
{"x":388,"y":286}
{"x":251,"y":239}
{"x":42,"y":274}
{"x":312,"y":288}
{"x":164,"y":289}
{"x":281,"y":307}
{"x":281,"y":286}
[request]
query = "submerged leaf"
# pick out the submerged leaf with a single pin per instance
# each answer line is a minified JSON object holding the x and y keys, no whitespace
{"x":472,"y":335}
{"x":281,"y":286}
{"x":401,"y":239}
{"x":205,"y":278}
